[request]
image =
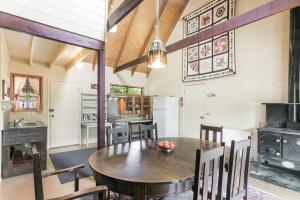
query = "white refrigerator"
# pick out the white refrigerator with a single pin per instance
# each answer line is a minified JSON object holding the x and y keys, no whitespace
{"x":166,"y":115}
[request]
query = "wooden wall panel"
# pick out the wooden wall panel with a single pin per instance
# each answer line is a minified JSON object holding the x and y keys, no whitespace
{"x":82,"y":17}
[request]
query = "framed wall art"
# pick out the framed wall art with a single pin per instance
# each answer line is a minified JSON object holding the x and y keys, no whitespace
{"x":214,"y":57}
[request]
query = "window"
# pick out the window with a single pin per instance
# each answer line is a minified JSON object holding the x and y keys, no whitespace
{"x":123,"y":89}
{"x":26,"y":92}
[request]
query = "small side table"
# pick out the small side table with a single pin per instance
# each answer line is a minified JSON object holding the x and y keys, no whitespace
{"x":88,"y":126}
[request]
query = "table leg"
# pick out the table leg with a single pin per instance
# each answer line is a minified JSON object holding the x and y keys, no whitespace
{"x":139,"y":192}
{"x":87,"y":137}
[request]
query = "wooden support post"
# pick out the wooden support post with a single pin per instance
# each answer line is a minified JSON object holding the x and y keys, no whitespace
{"x":101,"y":99}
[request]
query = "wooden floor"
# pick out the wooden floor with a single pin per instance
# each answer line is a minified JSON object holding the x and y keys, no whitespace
{"x":21,"y":187}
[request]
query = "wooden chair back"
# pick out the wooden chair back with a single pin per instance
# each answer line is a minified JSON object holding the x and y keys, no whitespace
{"x":148,"y":131}
{"x":208,"y":163}
{"x":118,"y":135}
{"x":37,"y":173}
{"x":211,"y":133}
{"x":237,"y":183}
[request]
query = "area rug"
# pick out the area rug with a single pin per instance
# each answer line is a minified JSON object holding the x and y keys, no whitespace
{"x":72,"y":158}
{"x":276,"y":176}
{"x":253,"y":194}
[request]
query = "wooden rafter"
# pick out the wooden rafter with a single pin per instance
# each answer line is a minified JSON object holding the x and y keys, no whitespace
{"x":122,"y":11}
{"x":254,"y":15}
{"x":124,"y":40}
{"x":95,"y":61}
{"x":32,"y":46}
{"x":150,"y":33}
{"x":12,"y":22}
{"x":78,"y":58}
{"x":58,"y":55}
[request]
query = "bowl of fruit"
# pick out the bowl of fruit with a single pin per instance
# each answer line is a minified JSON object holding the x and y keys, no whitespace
{"x":166,"y":145}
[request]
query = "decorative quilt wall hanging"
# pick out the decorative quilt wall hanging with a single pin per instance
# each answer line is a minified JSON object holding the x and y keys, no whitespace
{"x":213,"y":57}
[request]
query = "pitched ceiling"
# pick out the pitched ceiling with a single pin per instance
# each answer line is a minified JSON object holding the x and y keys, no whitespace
{"x":31,"y":49}
{"x":135,"y":31}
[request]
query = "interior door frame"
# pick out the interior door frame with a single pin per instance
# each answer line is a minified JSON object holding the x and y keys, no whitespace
{"x":15,"y":23}
{"x":183,"y":108}
{"x":49,"y":106}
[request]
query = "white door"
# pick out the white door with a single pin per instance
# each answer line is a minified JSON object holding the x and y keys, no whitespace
{"x":65,"y":116}
{"x":193,"y":110}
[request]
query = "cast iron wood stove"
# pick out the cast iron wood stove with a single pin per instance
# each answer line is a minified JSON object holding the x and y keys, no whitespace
{"x":279,"y":138}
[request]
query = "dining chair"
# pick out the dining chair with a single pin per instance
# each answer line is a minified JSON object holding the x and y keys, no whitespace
{"x":98,"y":192}
{"x":208,"y":180}
{"x":148,"y":131}
{"x":215,"y":132}
{"x":237,"y":179}
{"x":118,"y":135}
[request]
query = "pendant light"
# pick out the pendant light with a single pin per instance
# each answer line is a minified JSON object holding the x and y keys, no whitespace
{"x":157,"y":54}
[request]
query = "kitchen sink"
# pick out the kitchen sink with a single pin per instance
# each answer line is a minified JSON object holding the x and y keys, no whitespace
{"x":24,"y":125}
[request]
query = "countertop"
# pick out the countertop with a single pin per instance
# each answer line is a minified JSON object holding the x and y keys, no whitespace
{"x":40,"y":124}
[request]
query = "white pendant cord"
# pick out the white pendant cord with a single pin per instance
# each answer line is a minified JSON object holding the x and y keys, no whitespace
{"x":157,"y":20}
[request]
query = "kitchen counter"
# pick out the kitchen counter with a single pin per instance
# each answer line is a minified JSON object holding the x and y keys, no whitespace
{"x":25,"y":125}
{"x":16,"y":147}
{"x":142,"y":121}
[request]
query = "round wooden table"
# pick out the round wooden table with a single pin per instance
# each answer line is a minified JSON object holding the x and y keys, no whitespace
{"x":141,"y":169}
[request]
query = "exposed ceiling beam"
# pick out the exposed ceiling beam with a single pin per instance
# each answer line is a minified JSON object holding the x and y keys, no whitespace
{"x":254,"y":15}
{"x":124,"y":40}
{"x":78,"y":58}
{"x":95,"y":61}
{"x":150,"y":33}
{"x":32,"y":45}
{"x":58,"y":54}
{"x":122,"y":11}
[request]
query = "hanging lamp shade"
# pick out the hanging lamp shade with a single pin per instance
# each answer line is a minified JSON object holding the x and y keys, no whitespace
{"x":157,"y":53}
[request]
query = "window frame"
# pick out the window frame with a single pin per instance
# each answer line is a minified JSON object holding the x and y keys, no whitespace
{"x":127,"y":86}
{"x":12,"y":89}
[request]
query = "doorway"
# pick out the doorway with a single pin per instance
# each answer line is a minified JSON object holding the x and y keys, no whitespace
{"x":193,"y":109}
{"x":64,"y":111}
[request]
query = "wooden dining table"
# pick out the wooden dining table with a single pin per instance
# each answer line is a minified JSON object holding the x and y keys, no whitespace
{"x":140,"y":169}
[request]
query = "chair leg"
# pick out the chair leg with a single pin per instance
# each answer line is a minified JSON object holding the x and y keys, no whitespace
{"x":108,"y":194}
{"x":101,"y":195}
{"x":76,"y":183}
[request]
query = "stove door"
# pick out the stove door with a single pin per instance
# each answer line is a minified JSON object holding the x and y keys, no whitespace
{"x":270,"y":144}
{"x":291,"y":147}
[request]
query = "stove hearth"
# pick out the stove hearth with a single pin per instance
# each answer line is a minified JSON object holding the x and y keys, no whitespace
{"x":279,"y":137}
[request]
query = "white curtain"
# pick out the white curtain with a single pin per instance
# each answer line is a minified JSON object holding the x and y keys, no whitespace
{"x":35,"y":84}
{"x":19,"y":83}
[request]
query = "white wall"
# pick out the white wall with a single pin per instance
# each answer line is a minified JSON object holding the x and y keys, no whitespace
{"x":262,"y":71}
{"x":83,"y":17}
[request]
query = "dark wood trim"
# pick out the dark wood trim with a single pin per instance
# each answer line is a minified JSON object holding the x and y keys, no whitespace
{"x":131,"y":63}
{"x":249,"y":17}
{"x":101,"y":99}
{"x":15,"y":23}
{"x":122,"y":11}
